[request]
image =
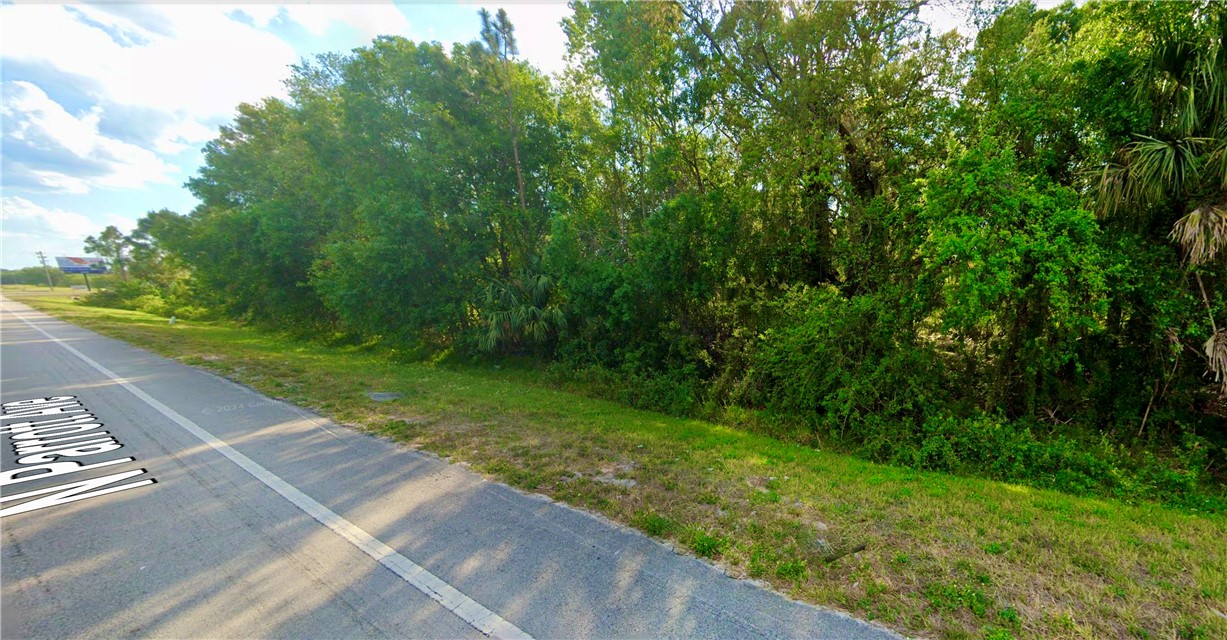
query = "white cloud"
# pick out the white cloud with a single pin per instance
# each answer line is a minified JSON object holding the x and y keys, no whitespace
{"x":538,"y":32}
{"x":368,"y":19}
{"x":261,"y":14}
{"x":182,"y":135}
{"x":59,"y":151}
{"x":207,"y":64}
{"x":17,"y":211}
{"x":105,"y":94}
{"x":56,"y":182}
{"x":26,"y":227}
{"x":187,"y":64}
{"x":33,"y":115}
{"x":202,"y":60}
{"x":541,"y":39}
{"x":159,"y":75}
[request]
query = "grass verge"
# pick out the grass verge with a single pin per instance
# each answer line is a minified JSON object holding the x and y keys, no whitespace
{"x":924,"y":553}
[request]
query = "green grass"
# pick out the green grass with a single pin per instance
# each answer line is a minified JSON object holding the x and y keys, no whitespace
{"x":653,"y":523}
{"x":25,"y":291}
{"x":924,"y":553}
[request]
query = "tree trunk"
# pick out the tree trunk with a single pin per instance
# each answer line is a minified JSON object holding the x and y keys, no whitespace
{"x":515,"y":135}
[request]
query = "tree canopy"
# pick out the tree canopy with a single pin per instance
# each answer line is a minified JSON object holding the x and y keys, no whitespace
{"x":819,"y":210}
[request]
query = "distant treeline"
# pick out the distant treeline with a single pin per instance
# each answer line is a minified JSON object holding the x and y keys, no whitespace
{"x":37,"y":276}
{"x":1000,"y":256}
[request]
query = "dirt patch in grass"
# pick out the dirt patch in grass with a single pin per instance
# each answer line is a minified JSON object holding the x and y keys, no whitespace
{"x":924,"y":553}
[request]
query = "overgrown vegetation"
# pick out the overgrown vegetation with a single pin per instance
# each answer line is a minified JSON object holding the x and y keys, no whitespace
{"x":925,"y":553}
{"x":999,"y":257}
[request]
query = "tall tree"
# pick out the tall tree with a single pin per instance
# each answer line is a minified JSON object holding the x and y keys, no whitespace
{"x":266,"y":207}
{"x":151,"y":259}
{"x":112,"y":244}
{"x":498,"y":34}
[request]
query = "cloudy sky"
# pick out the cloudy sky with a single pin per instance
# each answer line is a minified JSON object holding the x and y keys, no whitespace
{"x":106,"y":104}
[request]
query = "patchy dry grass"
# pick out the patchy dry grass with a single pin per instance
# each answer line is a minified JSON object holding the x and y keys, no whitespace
{"x":924,"y":553}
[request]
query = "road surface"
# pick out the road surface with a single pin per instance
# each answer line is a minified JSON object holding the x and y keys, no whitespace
{"x":145,"y":498}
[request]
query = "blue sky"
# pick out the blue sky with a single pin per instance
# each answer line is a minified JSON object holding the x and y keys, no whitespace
{"x":106,"y":105}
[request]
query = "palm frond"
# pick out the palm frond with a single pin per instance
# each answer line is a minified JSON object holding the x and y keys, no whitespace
{"x":1188,"y":116}
{"x":1110,"y":189}
{"x":1201,"y":233}
{"x":521,"y":311}
{"x":1216,"y":355}
{"x":1152,"y":169}
{"x":1216,"y":162}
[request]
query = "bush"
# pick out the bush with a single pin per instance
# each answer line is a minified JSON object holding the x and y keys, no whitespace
{"x":120,"y":295}
{"x":844,"y":362}
{"x":676,"y":393}
{"x":846,"y":367}
{"x":193,"y":312}
{"x":151,"y":303}
{"x":985,"y":445}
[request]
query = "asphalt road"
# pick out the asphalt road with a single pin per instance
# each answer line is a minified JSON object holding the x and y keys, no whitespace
{"x":264,"y":520}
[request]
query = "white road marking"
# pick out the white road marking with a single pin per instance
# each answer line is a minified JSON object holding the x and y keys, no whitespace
{"x":464,"y":607}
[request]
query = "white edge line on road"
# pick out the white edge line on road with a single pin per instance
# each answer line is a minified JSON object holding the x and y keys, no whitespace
{"x":464,"y":607}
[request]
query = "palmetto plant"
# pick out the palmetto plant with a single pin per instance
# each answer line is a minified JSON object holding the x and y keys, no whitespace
{"x":1184,"y":155}
{"x":520,"y":312}
{"x":1182,"y":161}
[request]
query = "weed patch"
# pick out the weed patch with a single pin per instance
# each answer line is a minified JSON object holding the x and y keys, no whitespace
{"x":706,"y":545}
{"x":653,"y":524}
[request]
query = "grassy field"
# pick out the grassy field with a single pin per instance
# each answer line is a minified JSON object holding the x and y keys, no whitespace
{"x":25,"y":291}
{"x":923,"y":553}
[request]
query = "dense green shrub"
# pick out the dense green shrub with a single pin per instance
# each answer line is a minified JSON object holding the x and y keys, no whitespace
{"x":151,"y":303}
{"x":843,"y":362}
{"x":676,"y":392}
{"x":989,"y":446}
{"x":120,"y":295}
{"x":194,"y":312}
{"x":142,"y":295}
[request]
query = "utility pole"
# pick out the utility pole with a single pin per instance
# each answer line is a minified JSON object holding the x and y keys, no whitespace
{"x":42,"y":258}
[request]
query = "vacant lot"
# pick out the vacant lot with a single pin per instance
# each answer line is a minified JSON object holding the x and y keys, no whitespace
{"x":926,"y":554}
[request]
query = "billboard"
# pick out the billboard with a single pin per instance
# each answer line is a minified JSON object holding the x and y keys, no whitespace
{"x":81,"y":265}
